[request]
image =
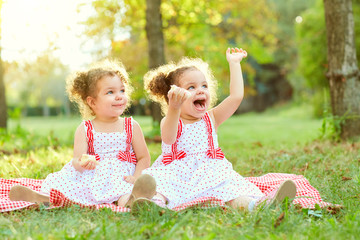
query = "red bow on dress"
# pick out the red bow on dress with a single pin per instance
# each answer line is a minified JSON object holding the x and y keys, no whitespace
{"x":127,"y":157}
{"x":215,"y":153}
{"x":168,"y":158}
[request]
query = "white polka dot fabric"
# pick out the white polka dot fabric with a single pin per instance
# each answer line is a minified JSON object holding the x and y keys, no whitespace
{"x":196,"y":175}
{"x":106,"y":183}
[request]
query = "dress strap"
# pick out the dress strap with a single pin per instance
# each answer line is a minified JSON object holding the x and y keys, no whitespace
{"x":180,"y":129}
{"x":211,"y":152}
{"x":175,"y":154}
{"x":178,"y":135}
{"x":90,"y":139}
{"x":128,"y":130}
{"x":128,"y":156}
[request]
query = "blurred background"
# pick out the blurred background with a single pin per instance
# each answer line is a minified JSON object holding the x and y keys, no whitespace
{"x":42,"y":41}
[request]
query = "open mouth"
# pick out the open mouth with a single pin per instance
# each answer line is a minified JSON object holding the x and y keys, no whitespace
{"x":200,"y":104}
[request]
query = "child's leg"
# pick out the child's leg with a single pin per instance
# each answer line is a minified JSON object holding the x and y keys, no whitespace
{"x":21,"y":193}
{"x":123,"y":200}
{"x":160,"y":197}
{"x":144,"y":187}
{"x":160,"y":200}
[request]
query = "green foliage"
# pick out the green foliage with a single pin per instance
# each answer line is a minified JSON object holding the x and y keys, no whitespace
{"x":331,"y":126}
{"x":311,"y":39}
{"x":286,"y":12}
{"x":212,"y":26}
{"x":356,"y":14}
{"x":19,"y":139}
{"x":14,"y":113}
{"x":320,"y":102}
{"x":39,"y":82}
{"x":312,"y":45}
{"x":155,"y":131}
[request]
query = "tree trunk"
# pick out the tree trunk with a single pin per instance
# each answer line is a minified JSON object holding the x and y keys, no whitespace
{"x":3,"y":106}
{"x":154,"y":34}
{"x":343,"y":71}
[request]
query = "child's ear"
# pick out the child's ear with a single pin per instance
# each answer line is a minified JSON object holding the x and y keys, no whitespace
{"x":90,"y":101}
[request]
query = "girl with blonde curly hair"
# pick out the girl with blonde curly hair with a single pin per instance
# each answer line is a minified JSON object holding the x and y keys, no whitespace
{"x":109,"y":151}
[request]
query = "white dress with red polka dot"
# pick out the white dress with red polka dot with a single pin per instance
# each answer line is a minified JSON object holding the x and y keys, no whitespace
{"x":106,"y":183}
{"x":195,"y":167}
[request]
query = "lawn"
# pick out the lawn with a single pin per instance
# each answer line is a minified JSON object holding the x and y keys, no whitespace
{"x":284,"y":139}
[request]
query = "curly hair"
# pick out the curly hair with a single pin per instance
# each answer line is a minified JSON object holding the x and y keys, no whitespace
{"x":158,"y":82}
{"x":82,"y":84}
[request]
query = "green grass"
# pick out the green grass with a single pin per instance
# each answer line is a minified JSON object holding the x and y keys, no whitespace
{"x":280,"y":140}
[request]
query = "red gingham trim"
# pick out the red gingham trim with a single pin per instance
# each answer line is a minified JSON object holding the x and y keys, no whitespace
{"x":306,"y":195}
{"x":58,"y":199}
{"x":127,"y":156}
{"x":5,"y":186}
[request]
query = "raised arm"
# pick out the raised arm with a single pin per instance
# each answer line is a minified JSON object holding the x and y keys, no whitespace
{"x":169,"y":124}
{"x":230,"y":104}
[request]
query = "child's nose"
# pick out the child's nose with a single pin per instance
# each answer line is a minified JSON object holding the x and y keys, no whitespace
{"x":200,"y":91}
{"x":119,"y":96}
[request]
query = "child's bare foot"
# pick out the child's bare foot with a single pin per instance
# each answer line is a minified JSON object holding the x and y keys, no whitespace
{"x":21,"y":193}
{"x":144,"y":187}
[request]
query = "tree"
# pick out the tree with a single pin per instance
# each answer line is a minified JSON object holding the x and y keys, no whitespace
{"x":343,"y":73}
{"x":3,"y":106}
{"x":194,"y":28}
{"x":155,"y":37}
{"x":37,"y":83}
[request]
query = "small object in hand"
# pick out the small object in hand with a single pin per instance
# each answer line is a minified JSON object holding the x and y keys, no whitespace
{"x":86,"y":157}
{"x":188,"y":94}
{"x":173,"y":87}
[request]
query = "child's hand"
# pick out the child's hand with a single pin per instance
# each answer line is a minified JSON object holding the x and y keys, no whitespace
{"x":88,"y":162}
{"x":235,"y":55}
{"x":130,"y":179}
{"x":177,"y":96}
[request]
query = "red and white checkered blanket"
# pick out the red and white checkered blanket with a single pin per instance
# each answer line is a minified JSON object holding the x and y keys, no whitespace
{"x":306,"y":196}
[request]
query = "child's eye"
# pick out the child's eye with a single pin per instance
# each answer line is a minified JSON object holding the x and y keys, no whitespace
{"x":110,"y":92}
{"x":191,"y":87}
{"x":204,"y":86}
{"x":122,"y":90}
